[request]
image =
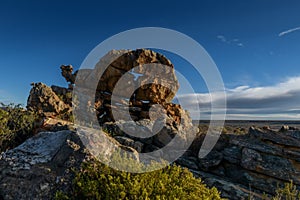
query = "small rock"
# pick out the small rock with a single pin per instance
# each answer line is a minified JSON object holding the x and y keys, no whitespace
{"x":44,"y":186}
{"x":73,"y":145}
{"x":284,"y":128}
{"x":138,"y":146}
{"x":213,"y":159}
{"x":188,"y":162}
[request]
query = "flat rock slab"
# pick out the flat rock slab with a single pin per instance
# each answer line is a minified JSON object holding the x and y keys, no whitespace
{"x":38,"y":149}
{"x":40,"y":166}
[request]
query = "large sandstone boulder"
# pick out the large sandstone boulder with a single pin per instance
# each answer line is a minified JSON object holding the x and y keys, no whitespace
{"x":138,"y":79}
{"x":134,"y":63}
{"x":135,"y":89}
{"x":43,"y":99}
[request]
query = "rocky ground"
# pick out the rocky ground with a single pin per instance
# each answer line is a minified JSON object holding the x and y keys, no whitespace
{"x":239,"y":166}
{"x":247,"y":161}
{"x":253,"y":163}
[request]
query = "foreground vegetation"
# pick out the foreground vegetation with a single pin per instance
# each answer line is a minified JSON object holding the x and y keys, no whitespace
{"x":288,"y":192}
{"x":16,"y":125}
{"x":97,"y":181}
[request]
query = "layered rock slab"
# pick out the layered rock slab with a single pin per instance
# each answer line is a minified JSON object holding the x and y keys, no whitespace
{"x":250,"y":164}
{"x":44,"y":164}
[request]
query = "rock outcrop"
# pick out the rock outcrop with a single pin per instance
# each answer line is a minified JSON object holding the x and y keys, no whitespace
{"x":149,"y":78}
{"x":45,"y":163}
{"x":44,"y":100}
{"x":41,"y":165}
{"x":148,"y":85}
{"x":251,"y":164}
{"x":134,"y":65}
{"x":67,"y":73}
{"x":142,"y":136}
{"x":240,"y":166}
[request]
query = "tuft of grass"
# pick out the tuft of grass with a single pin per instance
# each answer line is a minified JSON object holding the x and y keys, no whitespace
{"x":288,"y":192}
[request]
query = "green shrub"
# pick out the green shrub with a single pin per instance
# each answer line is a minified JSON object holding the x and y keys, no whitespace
{"x":68,"y":116}
{"x":61,"y":196}
{"x":288,"y":192}
{"x":16,"y":125}
{"x":97,"y":181}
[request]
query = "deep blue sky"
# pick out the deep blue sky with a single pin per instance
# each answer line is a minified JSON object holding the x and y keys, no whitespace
{"x":36,"y":37}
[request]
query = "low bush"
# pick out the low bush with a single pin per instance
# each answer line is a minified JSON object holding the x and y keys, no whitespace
{"x":288,"y":192}
{"x":16,"y":125}
{"x":98,"y":181}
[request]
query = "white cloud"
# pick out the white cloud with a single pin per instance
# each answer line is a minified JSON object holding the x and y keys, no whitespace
{"x":222,"y":38}
{"x":289,"y":31}
{"x":279,"y":101}
{"x":234,"y":41}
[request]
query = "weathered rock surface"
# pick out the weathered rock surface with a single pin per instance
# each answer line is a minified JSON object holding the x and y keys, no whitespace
{"x":44,"y":100}
{"x":67,"y":73}
{"x":64,"y":93}
{"x":151,"y":73}
{"x":39,"y":166}
{"x":133,"y":63}
{"x":37,"y":149}
{"x":251,"y":164}
{"x":147,"y":78}
{"x":43,"y":164}
{"x":147,"y":135}
{"x":114,"y":65}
